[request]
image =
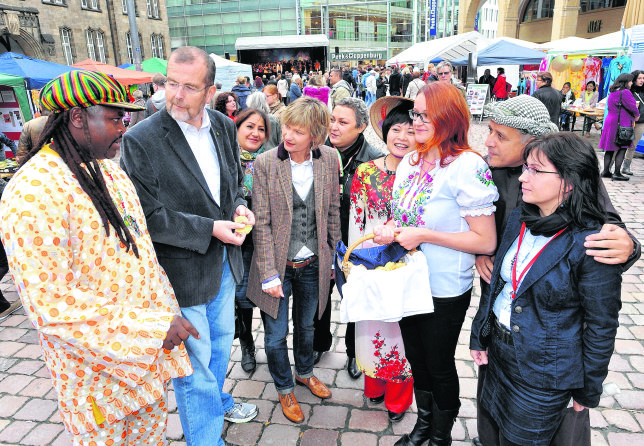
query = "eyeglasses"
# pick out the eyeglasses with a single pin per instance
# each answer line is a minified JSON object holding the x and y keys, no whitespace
{"x":187,"y":89}
{"x":533,"y":172}
{"x":445,"y":73}
{"x":413,"y":114}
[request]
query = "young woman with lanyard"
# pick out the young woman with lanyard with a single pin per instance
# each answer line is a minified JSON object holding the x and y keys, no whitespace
{"x":547,"y":329}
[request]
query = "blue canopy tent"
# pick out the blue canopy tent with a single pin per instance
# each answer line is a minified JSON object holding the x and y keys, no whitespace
{"x":36,"y":72}
{"x":126,"y":66}
{"x":505,"y":53}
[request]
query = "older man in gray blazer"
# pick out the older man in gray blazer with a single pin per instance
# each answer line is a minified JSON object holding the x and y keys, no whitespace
{"x":184,"y":163}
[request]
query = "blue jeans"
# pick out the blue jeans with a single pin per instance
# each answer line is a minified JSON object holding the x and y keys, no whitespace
{"x":200,"y":399}
{"x":240,"y":292}
{"x":305,"y":286}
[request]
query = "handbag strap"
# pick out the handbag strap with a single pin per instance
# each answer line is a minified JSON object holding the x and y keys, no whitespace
{"x":619,"y":108}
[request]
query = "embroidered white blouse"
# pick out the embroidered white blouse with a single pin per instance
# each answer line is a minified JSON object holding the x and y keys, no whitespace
{"x":441,"y":201}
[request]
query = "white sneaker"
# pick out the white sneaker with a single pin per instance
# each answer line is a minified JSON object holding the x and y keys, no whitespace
{"x":241,"y":413}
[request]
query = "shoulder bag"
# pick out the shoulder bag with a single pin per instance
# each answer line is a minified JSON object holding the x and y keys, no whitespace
{"x":624,"y":135}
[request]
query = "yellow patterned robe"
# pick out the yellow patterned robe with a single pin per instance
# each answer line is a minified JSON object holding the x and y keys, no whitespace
{"x":101,"y":313}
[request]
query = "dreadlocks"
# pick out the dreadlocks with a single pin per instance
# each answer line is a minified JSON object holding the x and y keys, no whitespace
{"x":91,"y":179}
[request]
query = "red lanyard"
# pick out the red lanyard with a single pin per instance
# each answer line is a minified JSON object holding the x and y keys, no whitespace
{"x":515,"y":282}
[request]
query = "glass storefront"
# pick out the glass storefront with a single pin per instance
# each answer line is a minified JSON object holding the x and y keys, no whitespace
{"x":351,"y":25}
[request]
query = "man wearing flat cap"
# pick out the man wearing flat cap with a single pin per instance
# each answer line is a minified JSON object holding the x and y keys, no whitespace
{"x":86,"y":271}
{"x":513,"y":123}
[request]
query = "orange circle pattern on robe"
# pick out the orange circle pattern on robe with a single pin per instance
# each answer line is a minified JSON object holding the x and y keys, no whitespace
{"x":100,"y":312}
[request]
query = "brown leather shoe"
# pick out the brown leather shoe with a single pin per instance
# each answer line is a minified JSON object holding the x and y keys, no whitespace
{"x":315,"y":386}
{"x":291,"y":408}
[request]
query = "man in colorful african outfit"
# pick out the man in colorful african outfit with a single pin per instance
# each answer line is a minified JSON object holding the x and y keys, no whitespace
{"x":87,"y":273}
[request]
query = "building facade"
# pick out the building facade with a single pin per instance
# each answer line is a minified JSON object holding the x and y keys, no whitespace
{"x":388,"y":26}
{"x":487,"y":19}
{"x":546,"y":20}
{"x":70,"y":31}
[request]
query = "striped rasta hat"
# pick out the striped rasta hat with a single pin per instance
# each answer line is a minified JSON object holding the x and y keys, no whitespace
{"x":79,"y":88}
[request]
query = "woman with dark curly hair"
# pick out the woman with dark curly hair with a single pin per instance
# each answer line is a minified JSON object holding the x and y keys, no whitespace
{"x":226,"y":103}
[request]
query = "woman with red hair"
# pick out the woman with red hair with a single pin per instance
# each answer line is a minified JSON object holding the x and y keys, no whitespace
{"x":442,"y":204}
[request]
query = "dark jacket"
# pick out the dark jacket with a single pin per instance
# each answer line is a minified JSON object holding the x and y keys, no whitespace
{"x":405,"y":80}
{"x":551,"y":98}
{"x":348,"y":77}
{"x":394,"y":84}
{"x":381,"y":87}
{"x":565,"y":315}
{"x":242,"y":92}
{"x":179,"y":208}
{"x":294,"y":93}
{"x":508,"y":185}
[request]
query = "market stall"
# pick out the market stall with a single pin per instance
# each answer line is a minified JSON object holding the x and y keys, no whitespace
{"x":126,"y":77}
{"x":447,"y":48}
{"x":35,"y":72}
{"x":227,"y":71}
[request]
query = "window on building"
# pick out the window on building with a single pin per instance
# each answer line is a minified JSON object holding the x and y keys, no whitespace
{"x":95,"y":46}
{"x":591,"y":5}
{"x":538,"y":9}
{"x":89,"y":4}
{"x":66,"y":43}
{"x":56,"y":2}
{"x":91,"y":53}
{"x":153,"y":9}
{"x":128,"y":44}
{"x":124,"y":6}
{"x":156,"y":42}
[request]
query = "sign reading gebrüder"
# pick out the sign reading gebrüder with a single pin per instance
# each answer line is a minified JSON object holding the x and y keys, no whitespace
{"x":359,"y":55}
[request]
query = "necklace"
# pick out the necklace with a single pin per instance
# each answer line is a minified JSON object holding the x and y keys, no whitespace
{"x":387,"y":171}
{"x":129,"y":221}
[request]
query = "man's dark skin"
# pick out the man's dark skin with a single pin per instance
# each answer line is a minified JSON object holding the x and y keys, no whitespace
{"x":102,"y":140}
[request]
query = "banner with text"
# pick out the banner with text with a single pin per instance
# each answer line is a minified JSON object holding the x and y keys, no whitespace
{"x":433,"y":13}
{"x":358,"y":55}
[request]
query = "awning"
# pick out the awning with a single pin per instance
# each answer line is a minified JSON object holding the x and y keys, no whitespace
{"x":126,"y":77}
{"x":447,"y":48}
{"x":18,"y":85}
{"x":35,"y":71}
{"x":505,"y":53}
{"x":296,"y":41}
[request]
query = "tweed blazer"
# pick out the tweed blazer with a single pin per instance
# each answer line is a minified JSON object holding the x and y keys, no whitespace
{"x":179,"y":208}
{"x":273,"y":208}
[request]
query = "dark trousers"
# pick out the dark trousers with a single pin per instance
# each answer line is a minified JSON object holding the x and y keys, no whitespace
{"x":303,"y":282}
{"x":430,"y":345}
{"x":322,"y":339}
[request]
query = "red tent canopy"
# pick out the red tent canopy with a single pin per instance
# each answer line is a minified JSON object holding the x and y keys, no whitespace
{"x":126,"y":77}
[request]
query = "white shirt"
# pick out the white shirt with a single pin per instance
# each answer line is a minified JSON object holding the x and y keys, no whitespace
{"x":530,"y":246}
{"x":463,"y":188}
{"x":203,"y":148}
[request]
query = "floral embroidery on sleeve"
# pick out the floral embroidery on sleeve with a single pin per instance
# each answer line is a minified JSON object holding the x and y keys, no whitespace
{"x":484,"y":175}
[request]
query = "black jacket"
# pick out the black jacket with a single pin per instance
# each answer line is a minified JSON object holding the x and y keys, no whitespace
{"x":405,"y":80}
{"x":179,"y":207}
{"x":394,"y":83}
{"x":381,"y":87}
{"x":551,"y":98}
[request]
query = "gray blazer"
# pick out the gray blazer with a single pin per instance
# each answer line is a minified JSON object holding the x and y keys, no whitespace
{"x":179,"y":208}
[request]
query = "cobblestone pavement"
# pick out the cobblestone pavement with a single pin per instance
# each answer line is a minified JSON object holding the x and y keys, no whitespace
{"x":28,"y":414}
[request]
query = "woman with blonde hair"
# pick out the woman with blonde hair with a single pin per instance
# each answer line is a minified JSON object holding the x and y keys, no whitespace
{"x":297,"y":209}
{"x":274,"y":100}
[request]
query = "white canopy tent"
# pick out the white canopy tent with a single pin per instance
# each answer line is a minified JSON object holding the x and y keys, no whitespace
{"x":227,"y":71}
{"x":523,"y":43}
{"x":447,"y":48}
{"x":562,"y":45}
{"x":295,"y":41}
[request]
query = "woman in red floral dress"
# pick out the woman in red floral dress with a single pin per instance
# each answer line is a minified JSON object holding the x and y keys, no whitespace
{"x":379,"y":348}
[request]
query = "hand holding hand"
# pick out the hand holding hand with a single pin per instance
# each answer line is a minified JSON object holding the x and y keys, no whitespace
{"x":180,"y":330}
{"x":484,"y":265}
{"x":612,"y":245}
{"x":384,"y":234}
